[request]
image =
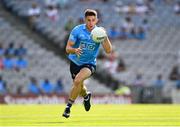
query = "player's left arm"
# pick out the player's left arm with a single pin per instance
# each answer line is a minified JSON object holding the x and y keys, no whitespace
{"x":107,"y":45}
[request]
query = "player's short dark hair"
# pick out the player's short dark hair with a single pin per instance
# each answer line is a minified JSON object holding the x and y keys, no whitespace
{"x":90,"y":12}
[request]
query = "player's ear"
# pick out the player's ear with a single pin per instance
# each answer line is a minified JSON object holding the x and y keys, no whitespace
{"x":97,"y":20}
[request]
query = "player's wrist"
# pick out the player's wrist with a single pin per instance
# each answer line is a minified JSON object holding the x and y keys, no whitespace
{"x":105,"y":39}
{"x":71,"y":50}
{"x":75,"y":50}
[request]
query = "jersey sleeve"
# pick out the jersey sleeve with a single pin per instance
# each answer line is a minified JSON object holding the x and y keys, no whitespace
{"x":73,"y":35}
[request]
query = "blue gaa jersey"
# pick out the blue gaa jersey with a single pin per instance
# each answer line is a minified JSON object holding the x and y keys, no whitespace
{"x":82,"y":38}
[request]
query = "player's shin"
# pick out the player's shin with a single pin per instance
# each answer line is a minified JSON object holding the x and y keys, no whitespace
{"x":76,"y":89}
{"x":83,"y":92}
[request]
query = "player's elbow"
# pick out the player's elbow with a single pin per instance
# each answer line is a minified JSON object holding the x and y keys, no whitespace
{"x":67,"y":50}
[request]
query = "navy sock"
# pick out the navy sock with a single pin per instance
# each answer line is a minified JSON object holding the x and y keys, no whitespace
{"x":69,"y":104}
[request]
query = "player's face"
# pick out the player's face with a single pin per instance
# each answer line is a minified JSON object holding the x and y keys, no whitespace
{"x":90,"y":22}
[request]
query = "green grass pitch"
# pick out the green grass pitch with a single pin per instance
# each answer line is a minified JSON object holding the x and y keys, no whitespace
{"x":98,"y":116}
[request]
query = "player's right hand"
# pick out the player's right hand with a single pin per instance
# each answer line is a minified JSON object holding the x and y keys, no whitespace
{"x":78,"y":51}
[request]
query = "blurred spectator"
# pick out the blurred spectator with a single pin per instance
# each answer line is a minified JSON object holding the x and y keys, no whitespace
{"x":113,"y":33}
{"x":101,"y":55}
{"x":111,"y":63}
{"x":46,"y":87}
{"x":59,"y":86}
{"x":10,"y":49}
{"x":121,"y":65}
{"x":159,"y":82}
{"x":177,"y":8}
{"x":131,"y":34}
{"x":21,"y":51}
{"x":150,"y":6}
{"x":33,"y":87}
{"x":138,"y":80}
{"x":130,"y":31}
{"x":69,"y":25}
{"x":131,"y":8}
{"x":174,"y":74}
{"x":33,"y":14}
{"x":8,"y":62}
{"x":128,"y":25}
{"x":3,"y":87}
{"x":34,"y":11}
{"x":122,"y":33}
{"x":20,"y":90}
{"x":123,"y":90}
{"x":21,"y":63}
{"x":120,"y":7}
{"x":140,"y":34}
{"x":141,"y":8}
{"x":145,"y":25}
{"x":52,"y":13}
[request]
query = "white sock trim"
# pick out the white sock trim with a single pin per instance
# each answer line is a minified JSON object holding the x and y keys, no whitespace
{"x":86,"y":98}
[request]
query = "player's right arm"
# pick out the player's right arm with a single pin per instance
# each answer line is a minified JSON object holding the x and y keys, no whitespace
{"x":71,"y":50}
{"x":71,"y":42}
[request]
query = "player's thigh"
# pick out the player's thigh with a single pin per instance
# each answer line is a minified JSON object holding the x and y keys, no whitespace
{"x":82,"y":75}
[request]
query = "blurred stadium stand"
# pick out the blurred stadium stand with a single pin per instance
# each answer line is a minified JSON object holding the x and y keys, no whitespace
{"x":42,"y":63}
{"x":156,"y":54}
